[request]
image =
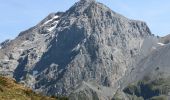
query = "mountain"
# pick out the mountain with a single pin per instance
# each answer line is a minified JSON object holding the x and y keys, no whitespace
{"x":88,"y":52}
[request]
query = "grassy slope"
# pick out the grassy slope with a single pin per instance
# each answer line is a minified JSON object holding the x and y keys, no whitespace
{"x":10,"y":90}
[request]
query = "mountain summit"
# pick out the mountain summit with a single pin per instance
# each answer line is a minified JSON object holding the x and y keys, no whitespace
{"x":88,"y":0}
{"x":86,"y":51}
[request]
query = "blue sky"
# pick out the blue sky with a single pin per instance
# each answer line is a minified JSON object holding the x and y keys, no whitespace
{"x":19,"y":15}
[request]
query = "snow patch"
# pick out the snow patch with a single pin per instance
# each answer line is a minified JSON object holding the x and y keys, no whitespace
{"x":76,"y":48}
{"x":161,"y":44}
{"x":55,"y":17}
{"x":52,"y":28}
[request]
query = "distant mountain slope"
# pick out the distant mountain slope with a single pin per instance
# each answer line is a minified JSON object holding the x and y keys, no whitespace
{"x":145,"y":89}
{"x":150,"y":79}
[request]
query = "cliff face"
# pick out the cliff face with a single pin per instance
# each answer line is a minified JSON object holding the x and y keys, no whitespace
{"x":89,"y":43}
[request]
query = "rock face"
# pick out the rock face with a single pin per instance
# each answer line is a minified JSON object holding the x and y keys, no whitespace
{"x":89,"y":43}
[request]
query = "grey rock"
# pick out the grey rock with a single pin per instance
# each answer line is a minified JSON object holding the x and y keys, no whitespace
{"x":4,"y":43}
{"x":165,"y":39}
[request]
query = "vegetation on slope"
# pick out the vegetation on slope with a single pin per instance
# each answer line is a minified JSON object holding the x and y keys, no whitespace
{"x":148,"y":89}
{"x":10,"y":90}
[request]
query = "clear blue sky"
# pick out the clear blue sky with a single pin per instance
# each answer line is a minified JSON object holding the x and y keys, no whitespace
{"x":19,"y":15}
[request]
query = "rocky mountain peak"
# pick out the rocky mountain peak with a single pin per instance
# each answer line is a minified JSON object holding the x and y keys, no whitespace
{"x":88,"y":0}
{"x":87,"y":7}
{"x":88,"y":42}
